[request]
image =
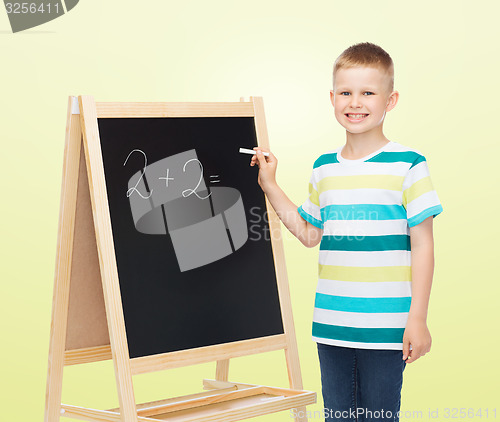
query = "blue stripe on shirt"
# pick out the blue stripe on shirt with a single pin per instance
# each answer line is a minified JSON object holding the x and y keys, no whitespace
{"x":389,"y":242}
{"x":363,"y":304}
{"x":363,"y":212}
{"x":365,"y":335}
{"x":417,"y":219}
{"x":309,"y":218}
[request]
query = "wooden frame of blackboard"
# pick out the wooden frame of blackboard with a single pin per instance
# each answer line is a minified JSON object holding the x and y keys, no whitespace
{"x":87,"y":315}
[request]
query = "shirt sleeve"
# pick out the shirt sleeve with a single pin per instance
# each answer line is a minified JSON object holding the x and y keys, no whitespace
{"x":420,"y":200}
{"x":310,"y":209}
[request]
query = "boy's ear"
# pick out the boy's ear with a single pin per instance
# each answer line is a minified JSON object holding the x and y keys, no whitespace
{"x":392,"y":101}
{"x":332,"y":98}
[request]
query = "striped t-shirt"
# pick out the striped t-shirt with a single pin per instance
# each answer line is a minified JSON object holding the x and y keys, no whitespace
{"x":366,"y":208}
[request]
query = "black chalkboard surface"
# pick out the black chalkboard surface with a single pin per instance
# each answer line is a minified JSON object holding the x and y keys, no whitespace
{"x":190,"y":231}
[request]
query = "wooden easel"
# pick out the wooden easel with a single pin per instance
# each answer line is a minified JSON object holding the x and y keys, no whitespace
{"x":87,"y":315}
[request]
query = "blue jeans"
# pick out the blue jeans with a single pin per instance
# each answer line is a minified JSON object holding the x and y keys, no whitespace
{"x":362,"y":385}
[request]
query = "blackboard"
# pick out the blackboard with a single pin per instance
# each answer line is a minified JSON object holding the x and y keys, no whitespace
{"x":190,"y":232}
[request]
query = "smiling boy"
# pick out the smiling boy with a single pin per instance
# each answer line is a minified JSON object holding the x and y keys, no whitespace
{"x":371,"y":205}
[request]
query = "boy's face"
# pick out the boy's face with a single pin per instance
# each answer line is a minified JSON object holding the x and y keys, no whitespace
{"x":361,"y":98}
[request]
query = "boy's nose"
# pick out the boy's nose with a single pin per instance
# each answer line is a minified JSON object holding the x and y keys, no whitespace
{"x":355,"y":102}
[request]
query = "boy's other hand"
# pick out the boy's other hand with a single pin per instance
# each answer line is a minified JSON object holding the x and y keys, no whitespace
{"x":418,"y":336}
{"x":267,"y":167}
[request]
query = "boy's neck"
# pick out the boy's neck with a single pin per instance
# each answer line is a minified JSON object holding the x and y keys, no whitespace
{"x":359,"y":145}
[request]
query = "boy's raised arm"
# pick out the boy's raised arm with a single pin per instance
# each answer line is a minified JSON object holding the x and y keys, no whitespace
{"x":286,"y":210}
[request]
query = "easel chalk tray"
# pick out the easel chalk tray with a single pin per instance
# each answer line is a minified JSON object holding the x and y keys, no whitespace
{"x":161,"y":222}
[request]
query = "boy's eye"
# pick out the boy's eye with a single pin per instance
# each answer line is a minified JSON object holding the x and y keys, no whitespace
{"x":348,"y":93}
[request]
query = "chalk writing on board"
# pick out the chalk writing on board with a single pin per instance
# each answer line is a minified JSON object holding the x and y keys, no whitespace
{"x":188,"y":192}
{"x":205,"y":224}
{"x":134,"y":188}
{"x":166,"y":178}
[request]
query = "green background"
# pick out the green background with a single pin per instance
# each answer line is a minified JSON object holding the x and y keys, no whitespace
{"x":446,"y":70}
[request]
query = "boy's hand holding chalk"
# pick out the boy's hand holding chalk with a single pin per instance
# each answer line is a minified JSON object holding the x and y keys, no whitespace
{"x":251,"y":151}
{"x":267,"y":166}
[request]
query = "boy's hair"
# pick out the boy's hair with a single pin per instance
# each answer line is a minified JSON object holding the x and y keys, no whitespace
{"x":366,"y":54}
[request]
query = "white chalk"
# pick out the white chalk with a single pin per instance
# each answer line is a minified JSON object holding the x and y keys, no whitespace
{"x":251,"y":151}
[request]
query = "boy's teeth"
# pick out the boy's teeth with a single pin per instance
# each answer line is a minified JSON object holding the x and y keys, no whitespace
{"x":357,"y":116}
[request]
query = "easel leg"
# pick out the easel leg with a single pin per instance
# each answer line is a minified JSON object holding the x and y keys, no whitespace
{"x":291,"y":351}
{"x":64,"y":251}
{"x":107,"y":260}
{"x":56,"y":352}
{"x":292,"y":362}
{"x":222,"y":370}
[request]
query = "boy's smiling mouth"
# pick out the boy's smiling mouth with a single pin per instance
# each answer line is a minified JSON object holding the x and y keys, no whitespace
{"x":356,"y":117}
